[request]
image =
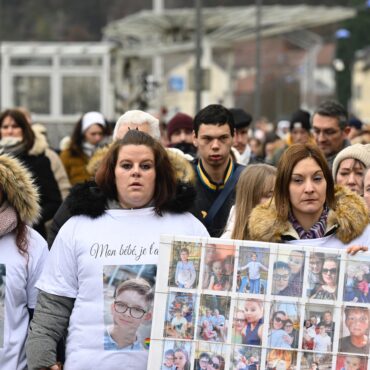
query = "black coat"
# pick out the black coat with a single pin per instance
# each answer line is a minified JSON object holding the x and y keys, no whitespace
{"x":50,"y":197}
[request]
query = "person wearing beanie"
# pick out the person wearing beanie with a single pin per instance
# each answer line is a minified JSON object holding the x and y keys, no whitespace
{"x":349,"y":167}
{"x":180,"y":133}
{"x":300,"y":127}
{"x":299,"y":133}
{"x":87,"y":136}
{"x":367,"y":188}
{"x":242,"y":121}
{"x":355,"y":126}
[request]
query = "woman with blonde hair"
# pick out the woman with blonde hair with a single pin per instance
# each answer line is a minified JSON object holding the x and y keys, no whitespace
{"x":255,"y":186}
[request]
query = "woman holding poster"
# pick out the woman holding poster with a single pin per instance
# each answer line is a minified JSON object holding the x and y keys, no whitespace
{"x":22,"y":255}
{"x":137,"y":200}
{"x":306,"y":206}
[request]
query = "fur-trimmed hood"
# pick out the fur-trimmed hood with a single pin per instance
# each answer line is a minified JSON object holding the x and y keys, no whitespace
{"x":40,"y":144}
{"x":87,"y":199}
{"x":349,"y":219}
{"x":19,"y":188}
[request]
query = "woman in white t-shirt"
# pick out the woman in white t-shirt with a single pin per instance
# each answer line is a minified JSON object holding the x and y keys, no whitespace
{"x":22,"y":254}
{"x":138,"y":198}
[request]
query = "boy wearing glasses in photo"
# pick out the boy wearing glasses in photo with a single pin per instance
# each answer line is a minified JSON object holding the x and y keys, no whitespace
{"x":357,"y":323}
{"x":203,"y":361}
{"x":280,"y":280}
{"x":132,"y":307}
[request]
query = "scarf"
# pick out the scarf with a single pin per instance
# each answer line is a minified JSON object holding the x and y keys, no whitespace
{"x":8,"y":218}
{"x":88,"y":148}
{"x":316,"y":231}
{"x":12,"y":145}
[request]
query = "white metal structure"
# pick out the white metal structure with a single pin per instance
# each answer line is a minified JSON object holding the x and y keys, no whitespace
{"x":57,"y":82}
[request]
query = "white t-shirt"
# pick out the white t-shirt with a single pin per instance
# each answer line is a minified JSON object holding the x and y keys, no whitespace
{"x":20,"y":293}
{"x":75,"y":269}
{"x":321,"y":343}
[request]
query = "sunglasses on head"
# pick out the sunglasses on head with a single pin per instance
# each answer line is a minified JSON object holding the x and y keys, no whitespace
{"x":332,"y":271}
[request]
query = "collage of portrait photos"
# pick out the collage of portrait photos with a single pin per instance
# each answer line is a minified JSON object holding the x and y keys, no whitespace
{"x":228,"y":304}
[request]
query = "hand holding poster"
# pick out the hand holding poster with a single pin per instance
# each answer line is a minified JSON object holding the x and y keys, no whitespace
{"x":254,"y":305}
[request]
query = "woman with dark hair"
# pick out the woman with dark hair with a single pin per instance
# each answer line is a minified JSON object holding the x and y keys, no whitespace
{"x":22,"y":255}
{"x":137,"y":200}
{"x":181,"y":359}
{"x":88,"y":133}
{"x":278,"y":337}
{"x":329,"y":276}
{"x":307,"y":206}
{"x":217,"y":362}
{"x":18,"y":140}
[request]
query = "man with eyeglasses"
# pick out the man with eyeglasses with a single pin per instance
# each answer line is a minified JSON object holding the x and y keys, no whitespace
{"x":132,"y":307}
{"x":330,"y":129}
{"x":357,"y":323}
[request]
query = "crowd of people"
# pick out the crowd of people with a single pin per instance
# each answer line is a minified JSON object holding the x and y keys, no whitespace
{"x":213,"y":175}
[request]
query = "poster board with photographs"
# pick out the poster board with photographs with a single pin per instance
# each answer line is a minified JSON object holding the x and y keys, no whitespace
{"x":228,"y":304}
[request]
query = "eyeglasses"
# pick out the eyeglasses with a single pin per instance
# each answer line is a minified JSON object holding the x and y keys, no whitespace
{"x":288,"y":326}
{"x":239,"y":320}
{"x":135,"y":312}
{"x":326,"y":132}
{"x":215,"y":366}
{"x":332,"y":271}
{"x":295,"y":262}
{"x":281,"y":277}
{"x":316,"y":263}
{"x":278,"y":319}
{"x":361,"y":319}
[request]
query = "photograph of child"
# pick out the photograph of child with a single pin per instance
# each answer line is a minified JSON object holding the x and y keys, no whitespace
{"x":128,"y":302}
{"x":327,"y":286}
{"x":318,"y":330}
{"x":348,"y":362}
{"x":288,"y":273}
{"x":356,"y":282}
{"x":213,"y":318}
{"x":218,"y":267}
{"x":180,"y":316}
{"x":176,"y":355}
{"x":184,"y":267}
{"x":245,"y":358}
{"x":316,"y":260}
{"x":355,"y":330}
{"x":252,"y":270}
{"x":248,"y":322}
{"x":278,"y":359}
{"x":209,"y":356}
{"x":284,"y":326}
{"x":308,"y":362}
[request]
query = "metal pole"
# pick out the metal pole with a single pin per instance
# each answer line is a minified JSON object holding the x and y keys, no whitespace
{"x":257,"y":88}
{"x":198,"y":73}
